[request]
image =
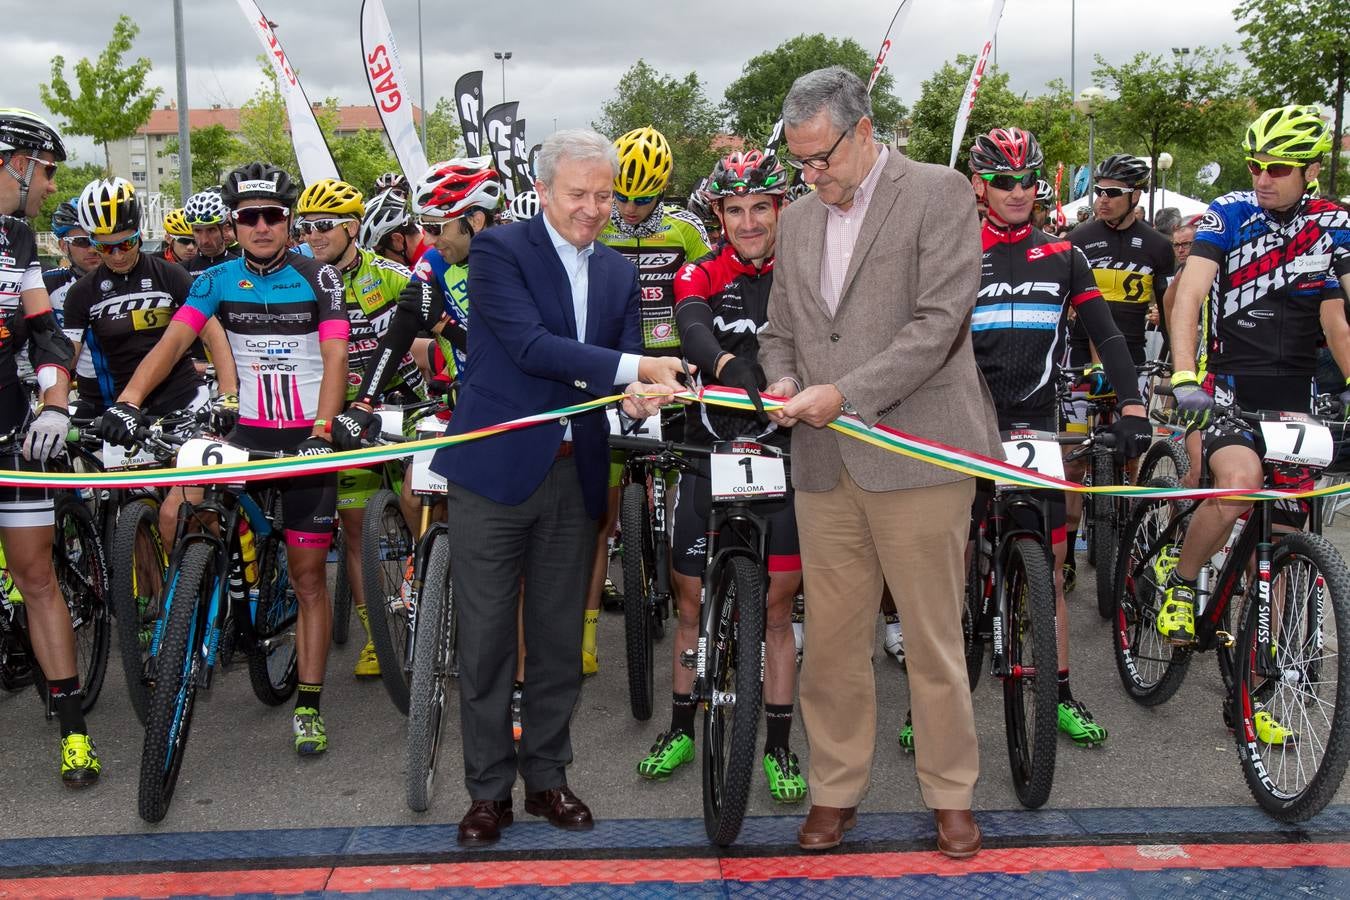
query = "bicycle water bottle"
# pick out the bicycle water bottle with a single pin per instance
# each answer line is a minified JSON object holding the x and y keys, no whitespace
{"x":248,"y":550}
{"x":1215,"y":565}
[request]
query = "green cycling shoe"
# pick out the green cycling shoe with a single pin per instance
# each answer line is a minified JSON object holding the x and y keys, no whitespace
{"x":907,"y":734}
{"x":79,"y":761}
{"x":786,"y":784}
{"x":671,"y":750}
{"x":1078,"y":724}
{"x":311,"y":739}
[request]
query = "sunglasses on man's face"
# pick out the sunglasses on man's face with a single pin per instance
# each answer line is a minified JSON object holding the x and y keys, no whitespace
{"x":434,"y":227}
{"x":50,"y":167}
{"x":250,"y":216}
{"x":1112,"y":192}
{"x":185,"y":241}
{"x":1273,"y":169}
{"x":1005,"y":181}
{"x":83,"y":243}
{"x":126,"y":245}
{"x":637,"y":201}
{"x":322,"y":226}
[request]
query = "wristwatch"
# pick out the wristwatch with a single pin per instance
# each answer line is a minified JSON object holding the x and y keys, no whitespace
{"x":848,"y":408}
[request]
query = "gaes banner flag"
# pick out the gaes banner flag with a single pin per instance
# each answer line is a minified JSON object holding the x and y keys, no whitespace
{"x":389,"y":89}
{"x":776,"y":136}
{"x":469,"y":105}
{"x":520,"y":172}
{"x":311,"y":150}
{"x":973,"y":83}
{"x":499,"y":124}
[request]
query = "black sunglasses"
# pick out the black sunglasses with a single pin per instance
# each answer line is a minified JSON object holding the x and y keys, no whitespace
{"x":186,"y":242}
{"x":249,"y":216}
{"x":81,"y":242}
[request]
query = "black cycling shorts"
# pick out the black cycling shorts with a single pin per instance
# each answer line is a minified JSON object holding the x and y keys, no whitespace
{"x":308,"y":502}
{"x":21,"y":507}
{"x":693,"y":501}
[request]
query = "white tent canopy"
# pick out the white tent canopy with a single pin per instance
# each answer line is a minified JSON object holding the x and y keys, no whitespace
{"x":1188,"y":206}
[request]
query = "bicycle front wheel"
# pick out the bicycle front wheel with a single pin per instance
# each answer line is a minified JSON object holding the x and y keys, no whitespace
{"x":1293,"y":726}
{"x":387,"y":570}
{"x":1030,"y":691}
{"x":82,"y":576}
{"x":178,"y":666}
{"x":342,"y":589}
{"x":736,"y":679}
{"x":1165,"y":458}
{"x":434,"y":642}
{"x":272,"y":666}
{"x":1151,"y":669}
{"x":972,"y":620}
{"x":1106,"y":528}
{"x":138,"y":594}
{"x":635,"y":520}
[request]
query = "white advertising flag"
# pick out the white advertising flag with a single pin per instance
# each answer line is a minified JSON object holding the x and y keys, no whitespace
{"x":973,"y":84}
{"x":389,"y":88}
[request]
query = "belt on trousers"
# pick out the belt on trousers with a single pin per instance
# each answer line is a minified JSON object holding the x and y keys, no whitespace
{"x":564,"y":450}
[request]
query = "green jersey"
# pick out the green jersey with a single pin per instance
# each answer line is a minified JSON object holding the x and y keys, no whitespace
{"x":372,"y":288}
{"x":659,"y":247}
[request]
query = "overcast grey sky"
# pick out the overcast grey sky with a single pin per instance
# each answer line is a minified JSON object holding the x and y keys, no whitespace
{"x":568,"y":56}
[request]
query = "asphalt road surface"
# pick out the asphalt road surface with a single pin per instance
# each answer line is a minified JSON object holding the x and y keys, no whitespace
{"x":240,"y":770}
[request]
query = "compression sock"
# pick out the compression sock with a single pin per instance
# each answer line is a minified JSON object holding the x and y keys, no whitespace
{"x":364,"y":615}
{"x":1065,"y":693}
{"x":588,"y":631}
{"x":308,"y":695}
{"x":777,"y":725}
{"x":682,"y":710}
{"x":66,"y":700}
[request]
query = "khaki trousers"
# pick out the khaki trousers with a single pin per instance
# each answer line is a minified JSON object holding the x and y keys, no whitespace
{"x":916,"y":539}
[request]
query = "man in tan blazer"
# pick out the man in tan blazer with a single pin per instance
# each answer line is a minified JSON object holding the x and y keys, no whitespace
{"x":875,"y":279}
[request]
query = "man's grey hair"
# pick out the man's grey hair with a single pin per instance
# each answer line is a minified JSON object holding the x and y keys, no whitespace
{"x":573,"y":143}
{"x":836,"y":90}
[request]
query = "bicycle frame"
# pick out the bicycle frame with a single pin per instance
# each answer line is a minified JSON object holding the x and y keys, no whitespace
{"x":710,"y":607}
{"x":996,"y":535}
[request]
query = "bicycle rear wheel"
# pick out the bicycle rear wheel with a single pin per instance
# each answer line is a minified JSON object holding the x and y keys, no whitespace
{"x":386,"y":567}
{"x":1165,"y":458}
{"x":638,"y":575}
{"x":1106,"y":528}
{"x":736,"y":677}
{"x":1032,"y":733}
{"x":272,"y":658}
{"x":138,"y":588}
{"x":342,"y":589}
{"x":1151,"y":669}
{"x":173,"y":695}
{"x":434,"y":642}
{"x":82,"y":576}
{"x":1307,"y":686}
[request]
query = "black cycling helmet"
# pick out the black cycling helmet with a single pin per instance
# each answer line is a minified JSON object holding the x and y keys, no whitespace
{"x":1129,"y":170}
{"x":24,"y":130}
{"x":259,"y":181}
{"x":64,"y":218}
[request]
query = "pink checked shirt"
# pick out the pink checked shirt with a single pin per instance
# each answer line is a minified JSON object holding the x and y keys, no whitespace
{"x":841,"y":233}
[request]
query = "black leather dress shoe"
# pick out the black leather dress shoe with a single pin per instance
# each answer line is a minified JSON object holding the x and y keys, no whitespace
{"x":484,"y":821}
{"x":561,"y":807}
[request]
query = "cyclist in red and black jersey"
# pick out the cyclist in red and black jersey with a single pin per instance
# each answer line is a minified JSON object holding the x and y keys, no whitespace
{"x":722,"y":303}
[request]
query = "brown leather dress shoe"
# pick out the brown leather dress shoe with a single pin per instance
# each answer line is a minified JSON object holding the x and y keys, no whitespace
{"x":561,"y":807}
{"x":825,"y":826}
{"x":484,"y":821}
{"x":957,"y":834}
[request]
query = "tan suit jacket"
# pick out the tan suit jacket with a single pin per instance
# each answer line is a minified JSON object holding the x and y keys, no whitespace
{"x":898,"y":346}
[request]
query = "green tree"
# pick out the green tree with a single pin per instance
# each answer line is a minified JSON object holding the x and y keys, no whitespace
{"x":1301,"y":54}
{"x":1174,"y":106}
{"x":70,"y":180}
{"x":264,"y":130}
{"x":1063,"y":134}
{"x":362,"y":157}
{"x":214,"y":152}
{"x":113,"y":100}
{"x":676,"y":107}
{"x":442,"y":134}
{"x":934,"y":116}
{"x":754,"y":102}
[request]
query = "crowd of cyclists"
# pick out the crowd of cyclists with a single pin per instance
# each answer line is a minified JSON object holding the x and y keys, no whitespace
{"x":286,"y":314}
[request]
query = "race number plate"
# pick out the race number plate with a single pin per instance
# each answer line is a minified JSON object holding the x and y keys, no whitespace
{"x":201,"y":452}
{"x":1035,"y":450}
{"x":649,"y":427}
{"x":746,"y":470}
{"x":1297,"y":439}
{"x":115,"y":456}
{"x":423,"y":479}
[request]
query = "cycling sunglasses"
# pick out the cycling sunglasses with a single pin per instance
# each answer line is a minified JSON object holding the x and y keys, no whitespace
{"x":250,"y":215}
{"x":435,"y":227}
{"x":126,"y":245}
{"x":1005,"y":181}
{"x":639,"y":201}
{"x":1112,"y":192}
{"x":185,"y":241}
{"x":322,"y":226}
{"x":82,"y":242}
{"x":1273,"y":169}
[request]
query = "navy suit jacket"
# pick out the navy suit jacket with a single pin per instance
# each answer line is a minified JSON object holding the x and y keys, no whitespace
{"x":524,"y":357}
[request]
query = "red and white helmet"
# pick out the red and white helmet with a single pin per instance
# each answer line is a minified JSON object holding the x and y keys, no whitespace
{"x":456,"y":187}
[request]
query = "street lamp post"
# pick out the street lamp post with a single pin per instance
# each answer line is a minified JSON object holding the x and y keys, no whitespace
{"x":502,"y":55}
{"x":1164,"y":164}
{"x":1089,"y":101}
{"x":421,"y":76}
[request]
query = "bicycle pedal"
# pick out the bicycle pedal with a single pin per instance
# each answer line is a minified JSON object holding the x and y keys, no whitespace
{"x":1224,"y":638}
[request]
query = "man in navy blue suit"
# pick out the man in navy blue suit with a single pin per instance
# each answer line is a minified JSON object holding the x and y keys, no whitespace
{"x":555,"y":323}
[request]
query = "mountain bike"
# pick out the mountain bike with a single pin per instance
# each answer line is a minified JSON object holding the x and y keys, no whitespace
{"x":1287,"y":670}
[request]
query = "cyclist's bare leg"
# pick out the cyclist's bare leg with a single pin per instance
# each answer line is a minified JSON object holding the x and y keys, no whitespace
{"x":780,"y":650}
{"x":1074,"y":470}
{"x":308,"y":565}
{"x":28,"y":553}
{"x":688,"y":591}
{"x":168,"y":509}
{"x":1061,"y":552}
{"x":1237,"y":467}
{"x":520,"y":636}
{"x":600,"y":568}
{"x":1193,"y":442}
{"x":352,"y":522}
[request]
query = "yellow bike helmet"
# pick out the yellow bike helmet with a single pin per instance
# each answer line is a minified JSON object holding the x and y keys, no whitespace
{"x":331,"y":196}
{"x":644,"y":163}
{"x":175,"y":223}
{"x":1289,"y":132}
